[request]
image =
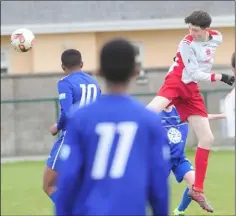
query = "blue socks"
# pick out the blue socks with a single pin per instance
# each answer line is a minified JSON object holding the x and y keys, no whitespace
{"x":185,"y":201}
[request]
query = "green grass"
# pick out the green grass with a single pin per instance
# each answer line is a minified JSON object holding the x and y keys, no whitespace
{"x":21,"y":187}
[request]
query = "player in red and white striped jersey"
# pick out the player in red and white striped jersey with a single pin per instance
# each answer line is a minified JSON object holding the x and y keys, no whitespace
{"x":193,"y":63}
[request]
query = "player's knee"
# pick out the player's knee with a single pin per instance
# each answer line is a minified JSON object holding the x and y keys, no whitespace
{"x":189,"y":178}
{"x":210,"y":139}
{"x":49,"y":179}
{"x":46,"y":188}
{"x":207,"y":139}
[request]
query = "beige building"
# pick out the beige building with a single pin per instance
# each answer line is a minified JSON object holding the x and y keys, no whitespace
{"x":156,"y":27}
{"x":157,"y":38}
{"x":157,"y":48}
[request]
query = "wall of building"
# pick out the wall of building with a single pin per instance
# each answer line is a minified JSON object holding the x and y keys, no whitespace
{"x":158,"y":48}
{"x":45,"y":56}
{"x":24,"y":126}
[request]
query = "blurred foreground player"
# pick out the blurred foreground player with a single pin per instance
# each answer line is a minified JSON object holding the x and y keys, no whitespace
{"x":229,"y":106}
{"x":114,"y":160}
{"x":193,"y":63}
{"x":77,"y":88}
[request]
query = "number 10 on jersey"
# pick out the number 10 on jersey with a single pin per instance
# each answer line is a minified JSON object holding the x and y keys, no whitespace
{"x":88,"y":95}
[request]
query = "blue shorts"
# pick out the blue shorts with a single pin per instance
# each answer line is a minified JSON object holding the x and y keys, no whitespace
{"x":179,"y":167}
{"x":52,"y":161}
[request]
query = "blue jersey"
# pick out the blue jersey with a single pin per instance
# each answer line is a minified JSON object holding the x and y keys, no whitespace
{"x":176,"y":132}
{"x":77,"y":88}
{"x":113,"y":161}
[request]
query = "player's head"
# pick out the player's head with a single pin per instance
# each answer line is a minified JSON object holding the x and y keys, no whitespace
{"x":199,"y":24}
{"x":233,"y":63}
{"x":117,"y":61}
{"x":71,"y":60}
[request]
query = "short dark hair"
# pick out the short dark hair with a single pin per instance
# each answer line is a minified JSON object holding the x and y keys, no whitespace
{"x":117,"y":60}
{"x":233,"y":60}
{"x":199,"y":18}
{"x":71,"y":58}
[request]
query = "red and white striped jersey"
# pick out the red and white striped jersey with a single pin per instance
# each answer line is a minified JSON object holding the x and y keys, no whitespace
{"x":194,"y":59}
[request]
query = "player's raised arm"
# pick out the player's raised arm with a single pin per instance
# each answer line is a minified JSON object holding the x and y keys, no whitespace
{"x":71,"y":161}
{"x":159,"y":193}
{"x":216,"y":116}
{"x":66,"y":101}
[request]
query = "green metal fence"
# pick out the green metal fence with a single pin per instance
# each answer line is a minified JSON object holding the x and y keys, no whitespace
{"x":205,"y":93}
{"x":25,"y":122}
{"x":35,"y":100}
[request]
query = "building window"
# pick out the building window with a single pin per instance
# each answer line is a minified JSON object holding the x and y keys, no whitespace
{"x":142,"y":78}
{"x":4,"y":60}
{"x":139,"y":51}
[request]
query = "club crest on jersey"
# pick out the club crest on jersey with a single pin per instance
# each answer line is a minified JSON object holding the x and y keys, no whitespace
{"x":174,"y":135}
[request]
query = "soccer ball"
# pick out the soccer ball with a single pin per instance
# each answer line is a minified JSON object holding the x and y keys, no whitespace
{"x":22,"y":40}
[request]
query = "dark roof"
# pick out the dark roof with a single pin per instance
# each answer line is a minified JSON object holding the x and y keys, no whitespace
{"x":42,"y":12}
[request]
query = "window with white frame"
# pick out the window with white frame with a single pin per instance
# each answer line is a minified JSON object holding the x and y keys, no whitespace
{"x":139,"y":50}
{"x":140,"y":55}
{"x":142,"y":79}
{"x":4,"y":60}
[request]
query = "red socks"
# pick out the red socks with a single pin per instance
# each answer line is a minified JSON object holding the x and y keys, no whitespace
{"x":201,"y":162}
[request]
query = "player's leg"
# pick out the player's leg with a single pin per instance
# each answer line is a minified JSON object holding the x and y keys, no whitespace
{"x":49,"y":180}
{"x":51,"y":169}
{"x":201,"y":127}
{"x":193,"y":109}
{"x":184,"y":171}
{"x":168,"y":92}
{"x":158,"y":103}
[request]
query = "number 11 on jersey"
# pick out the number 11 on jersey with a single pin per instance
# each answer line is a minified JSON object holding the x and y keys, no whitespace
{"x":107,"y":131}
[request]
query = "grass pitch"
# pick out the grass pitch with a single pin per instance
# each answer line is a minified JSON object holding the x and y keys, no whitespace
{"x":21,"y":187}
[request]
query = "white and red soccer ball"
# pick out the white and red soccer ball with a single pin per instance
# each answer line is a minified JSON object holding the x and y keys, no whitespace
{"x":22,"y":40}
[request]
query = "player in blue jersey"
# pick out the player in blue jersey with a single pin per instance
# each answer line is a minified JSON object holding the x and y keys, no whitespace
{"x":75,"y":89}
{"x":176,"y":133}
{"x":114,"y":159}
